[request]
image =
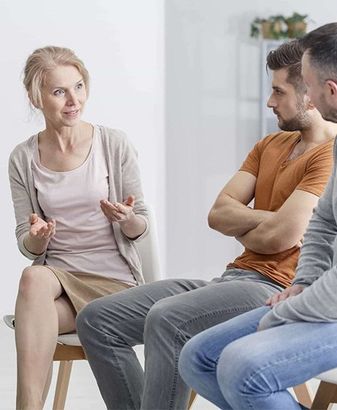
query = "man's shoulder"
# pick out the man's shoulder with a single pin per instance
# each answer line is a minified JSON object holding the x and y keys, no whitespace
{"x":281,"y":137}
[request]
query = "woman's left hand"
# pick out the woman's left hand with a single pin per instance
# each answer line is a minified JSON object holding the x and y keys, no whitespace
{"x":118,"y":212}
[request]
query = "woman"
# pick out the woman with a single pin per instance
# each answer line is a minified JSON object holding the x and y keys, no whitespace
{"x":78,"y":206}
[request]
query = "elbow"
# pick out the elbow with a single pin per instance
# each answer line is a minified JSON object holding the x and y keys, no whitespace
{"x":217,"y":222}
{"x":212,"y":220}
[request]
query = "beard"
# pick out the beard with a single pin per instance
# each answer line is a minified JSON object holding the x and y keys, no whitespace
{"x":299,"y":122}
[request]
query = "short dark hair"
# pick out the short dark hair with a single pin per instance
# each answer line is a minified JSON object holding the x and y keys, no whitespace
{"x":321,"y":46}
{"x":288,"y":55}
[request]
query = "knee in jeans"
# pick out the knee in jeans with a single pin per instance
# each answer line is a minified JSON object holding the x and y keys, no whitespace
{"x":159,"y":316}
{"x":195,"y":355}
{"x":238,"y":372}
{"x":86,"y":320}
{"x":189,"y":361}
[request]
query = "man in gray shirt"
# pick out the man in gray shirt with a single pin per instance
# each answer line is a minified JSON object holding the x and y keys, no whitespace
{"x":251,"y":360}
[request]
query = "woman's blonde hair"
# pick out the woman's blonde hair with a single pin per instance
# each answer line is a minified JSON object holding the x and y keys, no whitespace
{"x":43,"y":60}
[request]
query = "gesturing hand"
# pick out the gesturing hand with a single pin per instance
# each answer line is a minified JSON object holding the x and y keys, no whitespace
{"x":287,"y":293}
{"x":117,"y":212}
{"x":40,"y":229}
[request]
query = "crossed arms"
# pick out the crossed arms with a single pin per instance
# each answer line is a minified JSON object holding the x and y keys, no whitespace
{"x":261,"y":231}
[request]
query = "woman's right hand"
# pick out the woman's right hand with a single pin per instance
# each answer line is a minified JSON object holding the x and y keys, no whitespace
{"x":40,"y":229}
{"x":40,"y":233}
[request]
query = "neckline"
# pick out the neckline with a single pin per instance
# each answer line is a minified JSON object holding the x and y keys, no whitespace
{"x":37,"y":158}
{"x":298,"y":139}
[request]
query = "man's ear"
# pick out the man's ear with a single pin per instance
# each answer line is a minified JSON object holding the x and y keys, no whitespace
{"x":332,"y":88}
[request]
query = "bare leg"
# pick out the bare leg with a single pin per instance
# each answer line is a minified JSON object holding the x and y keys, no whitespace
{"x":47,"y":384}
{"x":36,"y":330}
{"x":66,"y":315}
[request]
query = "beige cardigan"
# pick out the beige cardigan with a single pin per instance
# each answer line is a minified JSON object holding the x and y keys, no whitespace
{"x":124,"y":180}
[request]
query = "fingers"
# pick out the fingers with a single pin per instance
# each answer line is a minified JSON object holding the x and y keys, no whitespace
{"x":273,"y":299}
{"x":117,"y":212}
{"x":33,"y":219}
{"x":130,"y":201}
{"x":279,"y":297}
{"x":43,"y":230}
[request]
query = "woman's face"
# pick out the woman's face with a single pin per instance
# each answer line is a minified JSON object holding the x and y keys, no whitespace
{"x":63,"y":96}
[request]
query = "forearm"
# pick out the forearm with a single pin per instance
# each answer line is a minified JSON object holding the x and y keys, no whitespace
{"x":36,"y":246}
{"x":133,"y":227}
{"x":266,"y":239}
{"x":233,"y":218}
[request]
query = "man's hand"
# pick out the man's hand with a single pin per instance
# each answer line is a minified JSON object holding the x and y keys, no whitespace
{"x":287,"y":293}
{"x":118,"y":212}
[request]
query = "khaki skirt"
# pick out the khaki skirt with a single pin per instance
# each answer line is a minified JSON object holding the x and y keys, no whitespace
{"x":81,"y":288}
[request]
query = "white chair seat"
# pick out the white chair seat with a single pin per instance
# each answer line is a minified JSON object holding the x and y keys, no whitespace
{"x":329,"y":376}
{"x":70,"y":339}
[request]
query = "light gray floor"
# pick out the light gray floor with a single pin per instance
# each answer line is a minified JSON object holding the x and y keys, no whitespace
{"x":83,"y":393}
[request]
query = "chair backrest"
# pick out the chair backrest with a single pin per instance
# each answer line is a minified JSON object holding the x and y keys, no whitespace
{"x":149,"y":251}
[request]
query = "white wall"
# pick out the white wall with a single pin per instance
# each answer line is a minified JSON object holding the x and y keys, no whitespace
{"x":121,"y":43}
{"x":204,"y":99}
{"x":212,"y":104}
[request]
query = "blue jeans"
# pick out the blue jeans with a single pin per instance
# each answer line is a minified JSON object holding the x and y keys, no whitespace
{"x":237,"y":368}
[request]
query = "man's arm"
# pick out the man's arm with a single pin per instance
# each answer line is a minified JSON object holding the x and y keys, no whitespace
{"x":230,"y":214}
{"x":285,"y":228}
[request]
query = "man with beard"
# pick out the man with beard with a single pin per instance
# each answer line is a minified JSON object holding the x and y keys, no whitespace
{"x":294,"y":338}
{"x":285,"y":173}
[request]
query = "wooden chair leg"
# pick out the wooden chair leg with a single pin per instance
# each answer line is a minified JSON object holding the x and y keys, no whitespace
{"x":62,"y":384}
{"x":303,"y":394}
{"x":326,"y":394}
{"x":192,"y":398}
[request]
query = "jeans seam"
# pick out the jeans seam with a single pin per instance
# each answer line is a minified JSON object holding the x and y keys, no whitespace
{"x":179,"y":333}
{"x":118,"y":366}
{"x":295,"y":359}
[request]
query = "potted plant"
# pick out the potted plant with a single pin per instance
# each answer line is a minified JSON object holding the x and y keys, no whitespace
{"x":273,"y":27}
{"x":297,"y":25}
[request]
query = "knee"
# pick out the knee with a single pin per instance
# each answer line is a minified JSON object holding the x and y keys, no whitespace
{"x":32,"y":281}
{"x":238,"y":372}
{"x":160,"y":317}
{"x":86,"y":320}
{"x":194,"y":361}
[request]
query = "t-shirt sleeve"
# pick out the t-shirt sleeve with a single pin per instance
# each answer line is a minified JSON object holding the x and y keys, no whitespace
{"x":252,"y":162}
{"x":318,"y":171}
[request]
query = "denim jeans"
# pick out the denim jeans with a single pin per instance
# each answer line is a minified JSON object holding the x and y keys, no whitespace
{"x":237,"y":368}
{"x":163,"y":315}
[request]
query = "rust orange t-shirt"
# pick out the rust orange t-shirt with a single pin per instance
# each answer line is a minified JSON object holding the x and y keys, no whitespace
{"x":277,"y":177}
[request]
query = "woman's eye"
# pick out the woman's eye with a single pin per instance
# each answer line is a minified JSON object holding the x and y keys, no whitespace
{"x":79,"y":86}
{"x":58,"y":92}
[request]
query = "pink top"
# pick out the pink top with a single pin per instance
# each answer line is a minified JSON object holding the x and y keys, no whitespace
{"x":72,"y":198}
